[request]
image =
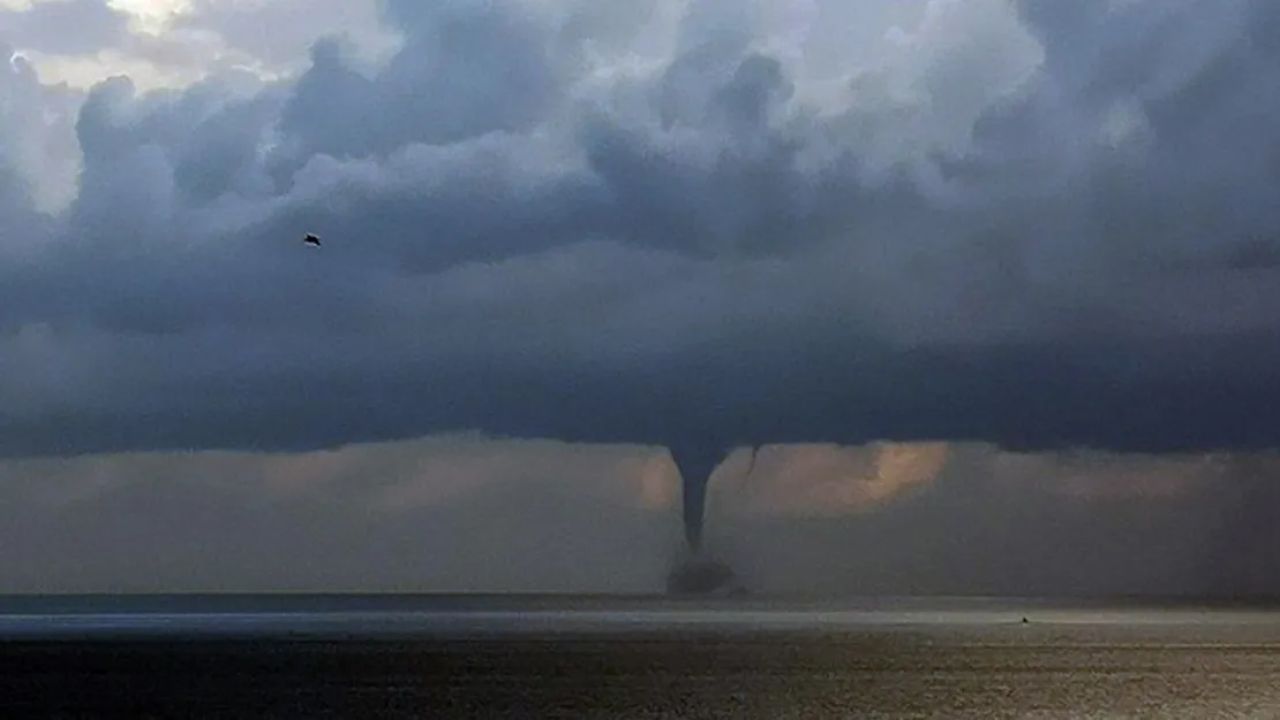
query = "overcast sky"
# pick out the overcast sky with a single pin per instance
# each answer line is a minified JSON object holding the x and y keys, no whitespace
{"x":1037,"y":227}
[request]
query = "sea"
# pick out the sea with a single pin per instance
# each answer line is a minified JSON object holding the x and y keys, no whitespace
{"x":353,"y":656}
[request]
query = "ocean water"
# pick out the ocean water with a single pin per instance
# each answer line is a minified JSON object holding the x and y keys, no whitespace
{"x":308,"y":657}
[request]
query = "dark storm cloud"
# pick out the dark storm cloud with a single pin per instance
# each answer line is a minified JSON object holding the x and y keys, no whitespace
{"x":1042,"y":224}
{"x":465,"y":69}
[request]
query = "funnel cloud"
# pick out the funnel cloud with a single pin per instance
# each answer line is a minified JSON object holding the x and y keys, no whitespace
{"x":1034,"y":226}
{"x":475,"y":514}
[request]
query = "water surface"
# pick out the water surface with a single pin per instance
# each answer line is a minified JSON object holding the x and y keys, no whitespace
{"x":606,"y":657}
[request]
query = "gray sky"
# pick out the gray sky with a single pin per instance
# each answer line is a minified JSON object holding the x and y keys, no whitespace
{"x":1034,"y":227}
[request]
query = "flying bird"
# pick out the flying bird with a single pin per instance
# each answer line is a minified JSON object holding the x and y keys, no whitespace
{"x":311,"y":240}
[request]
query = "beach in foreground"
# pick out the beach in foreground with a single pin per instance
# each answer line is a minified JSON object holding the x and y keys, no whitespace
{"x":948,"y":663}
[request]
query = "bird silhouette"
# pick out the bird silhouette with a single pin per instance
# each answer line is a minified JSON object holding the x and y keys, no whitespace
{"x":311,"y":240}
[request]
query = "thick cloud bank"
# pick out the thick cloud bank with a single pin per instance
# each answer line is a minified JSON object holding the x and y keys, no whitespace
{"x":465,"y":513}
{"x":445,"y":514}
{"x":971,"y":519}
{"x":1032,"y":223}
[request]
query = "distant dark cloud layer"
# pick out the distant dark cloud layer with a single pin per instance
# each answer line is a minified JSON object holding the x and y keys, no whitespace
{"x":1036,"y":224}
